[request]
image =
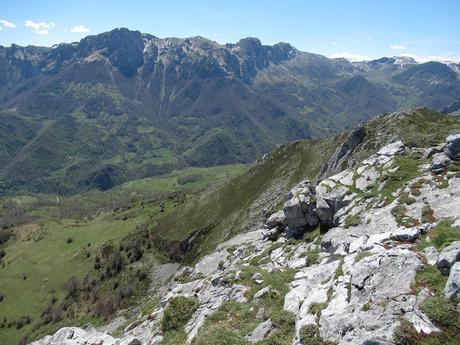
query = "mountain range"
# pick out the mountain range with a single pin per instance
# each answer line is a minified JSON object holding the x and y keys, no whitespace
{"x":123,"y":104}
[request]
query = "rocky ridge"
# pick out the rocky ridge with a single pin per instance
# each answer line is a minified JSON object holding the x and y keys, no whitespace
{"x":343,"y":261}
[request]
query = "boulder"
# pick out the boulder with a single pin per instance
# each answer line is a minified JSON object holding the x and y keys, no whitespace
{"x":277,"y":219}
{"x":260,"y":313}
{"x":257,"y":278}
{"x":448,"y":256}
{"x":300,"y":210}
{"x":262,"y":293}
{"x":261,"y":332}
{"x":431,"y":254}
{"x":452,"y":289}
{"x":329,"y":201}
{"x":453,"y":147}
{"x":430,"y":151}
{"x":272,"y":234}
{"x":439,"y":162}
{"x":392,"y":149}
{"x":135,"y":341}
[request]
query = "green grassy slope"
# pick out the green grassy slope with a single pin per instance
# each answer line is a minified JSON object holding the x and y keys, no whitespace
{"x":55,"y":240}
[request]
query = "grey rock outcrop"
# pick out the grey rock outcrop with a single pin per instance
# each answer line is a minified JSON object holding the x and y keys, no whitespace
{"x":453,"y":147}
{"x":439,"y":162}
{"x":277,"y":219}
{"x":392,"y":149}
{"x":300,"y":209}
{"x":452,"y":288}
{"x":448,"y":256}
{"x":334,"y":165}
{"x":329,"y":200}
{"x":261,"y":332}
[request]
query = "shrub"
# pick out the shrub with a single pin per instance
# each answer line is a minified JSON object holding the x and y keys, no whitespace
{"x":188,"y":179}
{"x":220,"y":335}
{"x":5,"y":235}
{"x":2,"y":297}
{"x":428,"y":214}
{"x":284,"y":323}
{"x":72,"y":286}
{"x":317,"y":308}
{"x":366,"y":307}
{"x":405,"y":334}
{"x":441,"y":235}
{"x":108,"y":305}
{"x":177,"y":313}
{"x":406,"y":199}
{"x":309,"y":335}
{"x":126,"y":291}
{"x":70,"y":240}
{"x":431,"y":278}
{"x":21,"y":322}
{"x":352,"y":220}
{"x":440,"y":311}
{"x":399,"y":212}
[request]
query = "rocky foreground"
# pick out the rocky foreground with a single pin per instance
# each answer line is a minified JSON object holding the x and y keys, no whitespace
{"x":368,"y":256}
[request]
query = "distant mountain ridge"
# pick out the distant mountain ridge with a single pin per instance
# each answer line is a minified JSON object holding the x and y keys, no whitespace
{"x":123,"y":104}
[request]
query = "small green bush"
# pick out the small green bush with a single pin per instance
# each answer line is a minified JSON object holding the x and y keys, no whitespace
{"x":431,"y":278}
{"x":177,"y":313}
{"x":440,"y":311}
{"x":406,"y":199}
{"x":317,"y":308}
{"x":428,"y":214}
{"x":352,"y":220}
{"x":366,"y":307}
{"x":309,"y":335}
{"x":441,"y":235}
{"x":284,"y":323}
{"x":220,"y":335}
{"x":399,"y":212}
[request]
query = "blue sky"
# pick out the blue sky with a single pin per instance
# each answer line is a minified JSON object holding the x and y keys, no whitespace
{"x":357,"y":29}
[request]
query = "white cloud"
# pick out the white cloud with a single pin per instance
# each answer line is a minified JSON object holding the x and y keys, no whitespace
{"x":7,"y":24}
{"x":351,"y":57}
{"x":40,"y":28}
{"x":438,"y":58}
{"x":398,"y":47}
{"x":79,"y":29}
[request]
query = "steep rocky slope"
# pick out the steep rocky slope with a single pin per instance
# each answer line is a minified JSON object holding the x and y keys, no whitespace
{"x":366,"y":255}
{"x":123,"y":105}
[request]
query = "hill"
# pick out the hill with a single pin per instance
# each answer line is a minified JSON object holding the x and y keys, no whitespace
{"x":124,"y":105}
